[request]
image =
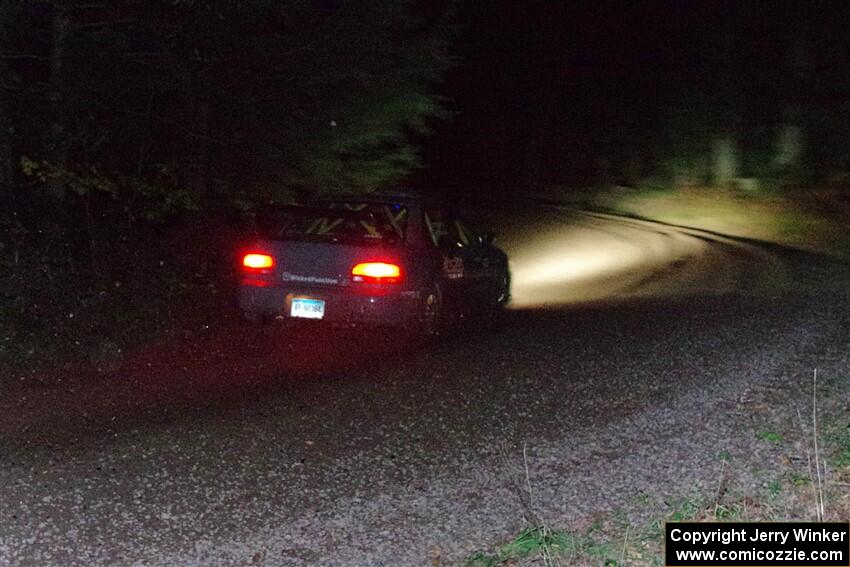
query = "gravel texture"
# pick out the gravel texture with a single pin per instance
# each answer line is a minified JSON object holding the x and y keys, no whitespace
{"x":313,"y":448}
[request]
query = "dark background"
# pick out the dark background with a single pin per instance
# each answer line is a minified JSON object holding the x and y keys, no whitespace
{"x":623,"y":92}
{"x":169,"y":106}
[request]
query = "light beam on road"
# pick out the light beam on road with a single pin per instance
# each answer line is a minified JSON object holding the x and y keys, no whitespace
{"x":591,"y":260}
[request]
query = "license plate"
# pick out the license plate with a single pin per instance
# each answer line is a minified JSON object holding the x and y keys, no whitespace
{"x":307,"y":308}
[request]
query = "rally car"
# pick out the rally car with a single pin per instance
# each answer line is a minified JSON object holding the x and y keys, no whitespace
{"x":385,"y":259}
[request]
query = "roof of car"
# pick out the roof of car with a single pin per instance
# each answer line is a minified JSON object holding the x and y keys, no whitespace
{"x":387,"y":196}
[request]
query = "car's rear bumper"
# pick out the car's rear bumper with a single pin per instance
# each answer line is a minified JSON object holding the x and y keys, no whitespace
{"x":375,"y":306}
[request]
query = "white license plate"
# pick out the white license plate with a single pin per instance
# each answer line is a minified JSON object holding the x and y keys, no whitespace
{"x":307,"y":308}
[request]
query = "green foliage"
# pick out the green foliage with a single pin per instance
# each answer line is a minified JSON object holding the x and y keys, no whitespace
{"x":771,"y":437}
{"x":152,"y":201}
{"x":799,"y":479}
{"x":77,"y":183}
{"x":242,"y":100}
{"x":539,"y":541}
{"x":337,"y":92}
{"x":686,"y":510}
{"x":535,"y":540}
{"x":731,"y":511}
{"x":842,"y":457}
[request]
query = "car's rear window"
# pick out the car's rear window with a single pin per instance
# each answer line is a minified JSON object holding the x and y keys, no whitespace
{"x":348,"y":222}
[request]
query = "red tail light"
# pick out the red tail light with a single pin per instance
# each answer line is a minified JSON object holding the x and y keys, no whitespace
{"x":257,"y":262}
{"x":376,"y":272}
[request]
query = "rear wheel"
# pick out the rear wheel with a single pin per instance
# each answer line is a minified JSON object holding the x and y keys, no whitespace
{"x":430,"y":317}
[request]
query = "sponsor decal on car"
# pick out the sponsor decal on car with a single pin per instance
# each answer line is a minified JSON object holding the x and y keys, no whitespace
{"x":287,"y":277}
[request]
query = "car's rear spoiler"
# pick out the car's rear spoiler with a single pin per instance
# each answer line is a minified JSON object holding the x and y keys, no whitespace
{"x":268,"y":220}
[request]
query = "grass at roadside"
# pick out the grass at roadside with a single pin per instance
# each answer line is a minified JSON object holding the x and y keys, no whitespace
{"x":789,"y":489}
{"x":814,"y":220}
{"x":540,"y":543}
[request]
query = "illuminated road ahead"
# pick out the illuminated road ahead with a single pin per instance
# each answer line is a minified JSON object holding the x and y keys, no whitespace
{"x":634,"y":354}
{"x":561,"y":257}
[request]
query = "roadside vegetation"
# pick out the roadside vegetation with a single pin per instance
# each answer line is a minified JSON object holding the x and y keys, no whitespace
{"x":806,"y":479}
{"x":815,"y":220}
{"x":66,"y":302}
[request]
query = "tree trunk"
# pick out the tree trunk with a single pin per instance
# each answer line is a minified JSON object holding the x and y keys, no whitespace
{"x":198,"y":170}
{"x":540,"y":127}
{"x":57,"y":149}
{"x":789,"y":146}
{"x":726,"y":160}
{"x":6,"y":132}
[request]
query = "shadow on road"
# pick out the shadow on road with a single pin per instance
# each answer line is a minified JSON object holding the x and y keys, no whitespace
{"x":233,"y":368}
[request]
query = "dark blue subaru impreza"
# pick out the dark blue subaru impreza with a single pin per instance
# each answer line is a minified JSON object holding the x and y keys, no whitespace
{"x":387,"y":259}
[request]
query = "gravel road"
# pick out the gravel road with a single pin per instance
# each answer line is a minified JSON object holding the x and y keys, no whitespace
{"x":622,"y":372}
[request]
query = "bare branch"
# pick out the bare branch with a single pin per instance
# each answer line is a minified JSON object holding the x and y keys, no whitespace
{"x":105,"y":23}
{"x":8,"y":55}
